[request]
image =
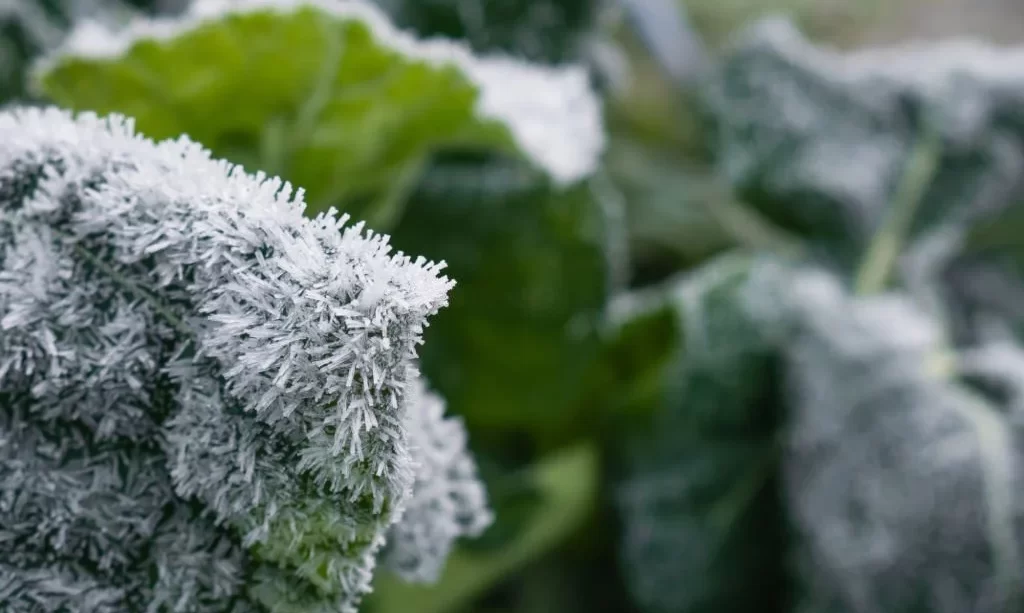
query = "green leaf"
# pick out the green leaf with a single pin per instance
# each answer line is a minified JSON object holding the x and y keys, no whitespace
{"x":328,"y":95}
{"x":567,"y":482}
{"x":985,"y":282}
{"x":513,"y":348}
{"x":695,"y":484}
{"x":829,"y":144}
{"x":669,"y":201}
{"x":29,"y":27}
{"x":901,"y":484}
{"x":812,"y":453}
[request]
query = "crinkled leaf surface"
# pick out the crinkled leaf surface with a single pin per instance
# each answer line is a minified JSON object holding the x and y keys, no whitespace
{"x":902,"y":486}
{"x":823,"y":142}
{"x":448,"y":499}
{"x":178,"y":337}
{"x":327,"y":94}
{"x":870,"y":481}
{"x":693,"y":486}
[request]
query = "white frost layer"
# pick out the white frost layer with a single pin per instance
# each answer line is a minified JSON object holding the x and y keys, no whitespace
{"x":930,"y":67}
{"x":552,"y":113}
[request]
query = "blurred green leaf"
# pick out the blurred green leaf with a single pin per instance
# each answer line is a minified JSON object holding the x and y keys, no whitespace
{"x":512,"y":349}
{"x":668,"y":201}
{"x":568,"y":482}
{"x":333,"y":100}
{"x":695,"y":481}
{"x":900,"y":484}
{"x":515,"y":497}
{"x":822,"y":142}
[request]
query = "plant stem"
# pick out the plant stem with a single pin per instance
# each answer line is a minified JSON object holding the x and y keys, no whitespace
{"x":881,"y":256}
{"x":996,"y":452}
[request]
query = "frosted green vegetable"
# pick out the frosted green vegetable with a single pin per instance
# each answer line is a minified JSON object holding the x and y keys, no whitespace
{"x":203,"y":393}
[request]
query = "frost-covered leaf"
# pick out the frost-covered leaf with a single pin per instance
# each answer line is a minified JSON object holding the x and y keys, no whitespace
{"x":174,"y":333}
{"x":824,"y":142}
{"x":871,"y":479}
{"x":448,"y":499}
{"x":903,"y":487}
{"x":514,"y":347}
{"x":694,"y":486}
{"x":326,"y":93}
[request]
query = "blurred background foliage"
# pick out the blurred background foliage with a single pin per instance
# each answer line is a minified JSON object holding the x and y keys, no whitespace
{"x":627,"y":396}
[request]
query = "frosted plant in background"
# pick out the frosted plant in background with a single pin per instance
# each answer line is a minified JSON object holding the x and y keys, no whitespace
{"x":788,"y":112}
{"x":199,"y":383}
{"x":902,"y":486}
{"x":448,"y":499}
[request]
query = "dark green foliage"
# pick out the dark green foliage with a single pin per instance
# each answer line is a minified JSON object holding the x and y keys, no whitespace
{"x":696,"y":484}
{"x":549,"y":31}
{"x":532,"y":273}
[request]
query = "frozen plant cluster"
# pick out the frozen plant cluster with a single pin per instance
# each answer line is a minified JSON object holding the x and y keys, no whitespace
{"x":209,"y":401}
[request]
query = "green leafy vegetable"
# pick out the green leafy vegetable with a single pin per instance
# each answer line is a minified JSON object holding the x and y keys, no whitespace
{"x":326,"y":94}
{"x":359,"y":114}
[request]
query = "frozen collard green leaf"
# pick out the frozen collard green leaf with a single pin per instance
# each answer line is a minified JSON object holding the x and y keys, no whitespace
{"x":175,"y":332}
{"x":903,"y":487}
{"x":828,"y":143}
{"x":448,"y":499}
{"x":694,"y":487}
{"x":326,"y":93}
